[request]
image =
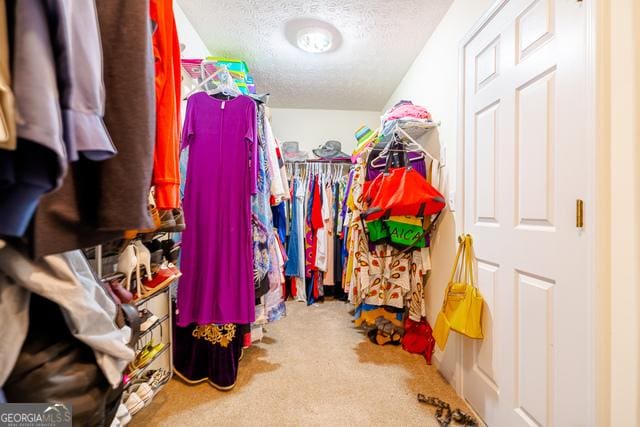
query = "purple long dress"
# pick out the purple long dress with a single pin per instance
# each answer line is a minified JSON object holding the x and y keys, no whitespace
{"x":217,"y":259}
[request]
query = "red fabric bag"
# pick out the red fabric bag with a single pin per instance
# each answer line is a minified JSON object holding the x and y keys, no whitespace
{"x":401,"y":191}
{"x":418,"y":338}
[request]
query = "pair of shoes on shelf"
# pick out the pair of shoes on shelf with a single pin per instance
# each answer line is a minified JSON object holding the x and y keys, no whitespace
{"x":144,"y":357}
{"x":136,"y":256}
{"x":157,"y":257}
{"x":138,"y":395}
{"x":123,"y":417}
{"x":132,"y":257}
{"x":162,"y":277}
{"x":163,"y":248}
{"x":171,"y":221}
{"x":156,"y":378}
{"x":171,"y":250}
{"x":147,"y":319}
{"x":154,"y":213}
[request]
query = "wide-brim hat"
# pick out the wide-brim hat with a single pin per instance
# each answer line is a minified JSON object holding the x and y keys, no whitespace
{"x":330,"y":150}
{"x":291,"y":152}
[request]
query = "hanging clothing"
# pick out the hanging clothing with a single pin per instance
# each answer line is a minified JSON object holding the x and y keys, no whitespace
{"x":124,"y":197}
{"x":309,"y":235}
{"x":261,"y":214}
{"x":98,"y":201}
{"x":327,"y":217}
{"x":318,"y":225}
{"x":293,"y":266}
{"x":58,"y":78}
{"x":338,"y":258}
{"x":299,"y":200}
{"x":274,"y":299}
{"x":57,"y":73}
{"x":166,"y":51}
{"x":261,"y":260}
{"x":279,"y":185}
{"x":208,"y":353}
{"x":26,"y":174}
{"x":217,"y":285}
{"x":384,"y":281}
{"x":280,"y":221}
{"x":283,"y":173}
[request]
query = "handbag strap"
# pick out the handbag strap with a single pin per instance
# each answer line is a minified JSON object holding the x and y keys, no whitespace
{"x":470,"y":261}
{"x":402,"y":149}
{"x":387,"y":165}
{"x":459,"y":253}
{"x":132,"y":319}
{"x":396,"y":146}
{"x":458,"y":267}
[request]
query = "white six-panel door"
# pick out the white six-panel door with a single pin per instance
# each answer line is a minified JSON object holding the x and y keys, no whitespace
{"x":525,"y":165}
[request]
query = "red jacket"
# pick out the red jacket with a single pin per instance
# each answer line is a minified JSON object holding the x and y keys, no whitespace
{"x":166,"y":51}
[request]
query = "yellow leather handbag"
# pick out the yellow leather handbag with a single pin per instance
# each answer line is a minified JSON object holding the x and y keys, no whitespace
{"x":462,"y":305}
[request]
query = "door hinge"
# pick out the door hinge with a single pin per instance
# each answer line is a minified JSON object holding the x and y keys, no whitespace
{"x":579,"y":213}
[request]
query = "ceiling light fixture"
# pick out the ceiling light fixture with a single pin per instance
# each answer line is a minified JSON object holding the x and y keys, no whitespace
{"x":314,"y":40}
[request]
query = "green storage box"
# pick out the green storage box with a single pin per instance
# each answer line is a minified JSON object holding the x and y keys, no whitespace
{"x":232,"y":64}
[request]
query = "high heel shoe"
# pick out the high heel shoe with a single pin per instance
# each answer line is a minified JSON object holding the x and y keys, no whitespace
{"x":144,"y":257}
{"x":128,"y":264}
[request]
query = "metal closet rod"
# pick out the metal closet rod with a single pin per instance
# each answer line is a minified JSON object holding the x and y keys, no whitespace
{"x":319,"y":161}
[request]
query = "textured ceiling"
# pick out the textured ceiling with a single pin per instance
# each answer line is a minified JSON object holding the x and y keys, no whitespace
{"x":380,"y":40}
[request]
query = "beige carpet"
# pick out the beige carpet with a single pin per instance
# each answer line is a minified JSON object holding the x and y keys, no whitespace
{"x":313,"y":368}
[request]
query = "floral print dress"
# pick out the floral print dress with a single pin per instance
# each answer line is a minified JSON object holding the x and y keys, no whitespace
{"x":384,"y":276}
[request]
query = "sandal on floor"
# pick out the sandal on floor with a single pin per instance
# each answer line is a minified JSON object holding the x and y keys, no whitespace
{"x":380,"y":338}
{"x":444,"y":415}
{"x":396,"y":339}
{"x":372,"y":334}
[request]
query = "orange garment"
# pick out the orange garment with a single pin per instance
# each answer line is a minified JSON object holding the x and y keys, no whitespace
{"x":166,"y":51}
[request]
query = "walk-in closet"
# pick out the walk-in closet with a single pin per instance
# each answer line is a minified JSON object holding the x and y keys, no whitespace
{"x":319,"y":213}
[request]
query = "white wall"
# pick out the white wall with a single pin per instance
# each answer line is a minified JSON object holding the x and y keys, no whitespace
{"x":312,"y":128}
{"x":187,"y":35}
{"x":618,"y":211}
{"x":432,"y":81}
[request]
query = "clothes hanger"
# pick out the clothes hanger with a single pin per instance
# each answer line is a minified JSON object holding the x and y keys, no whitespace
{"x":202,"y":83}
{"x":226,"y":84}
{"x":412,"y":146}
{"x":380,"y":160}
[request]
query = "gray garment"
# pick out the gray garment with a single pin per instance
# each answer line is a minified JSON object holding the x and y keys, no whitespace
{"x":67,"y":280}
{"x":57,"y":69}
{"x":79,"y":71}
{"x":99,"y":201}
{"x":35,"y":87}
